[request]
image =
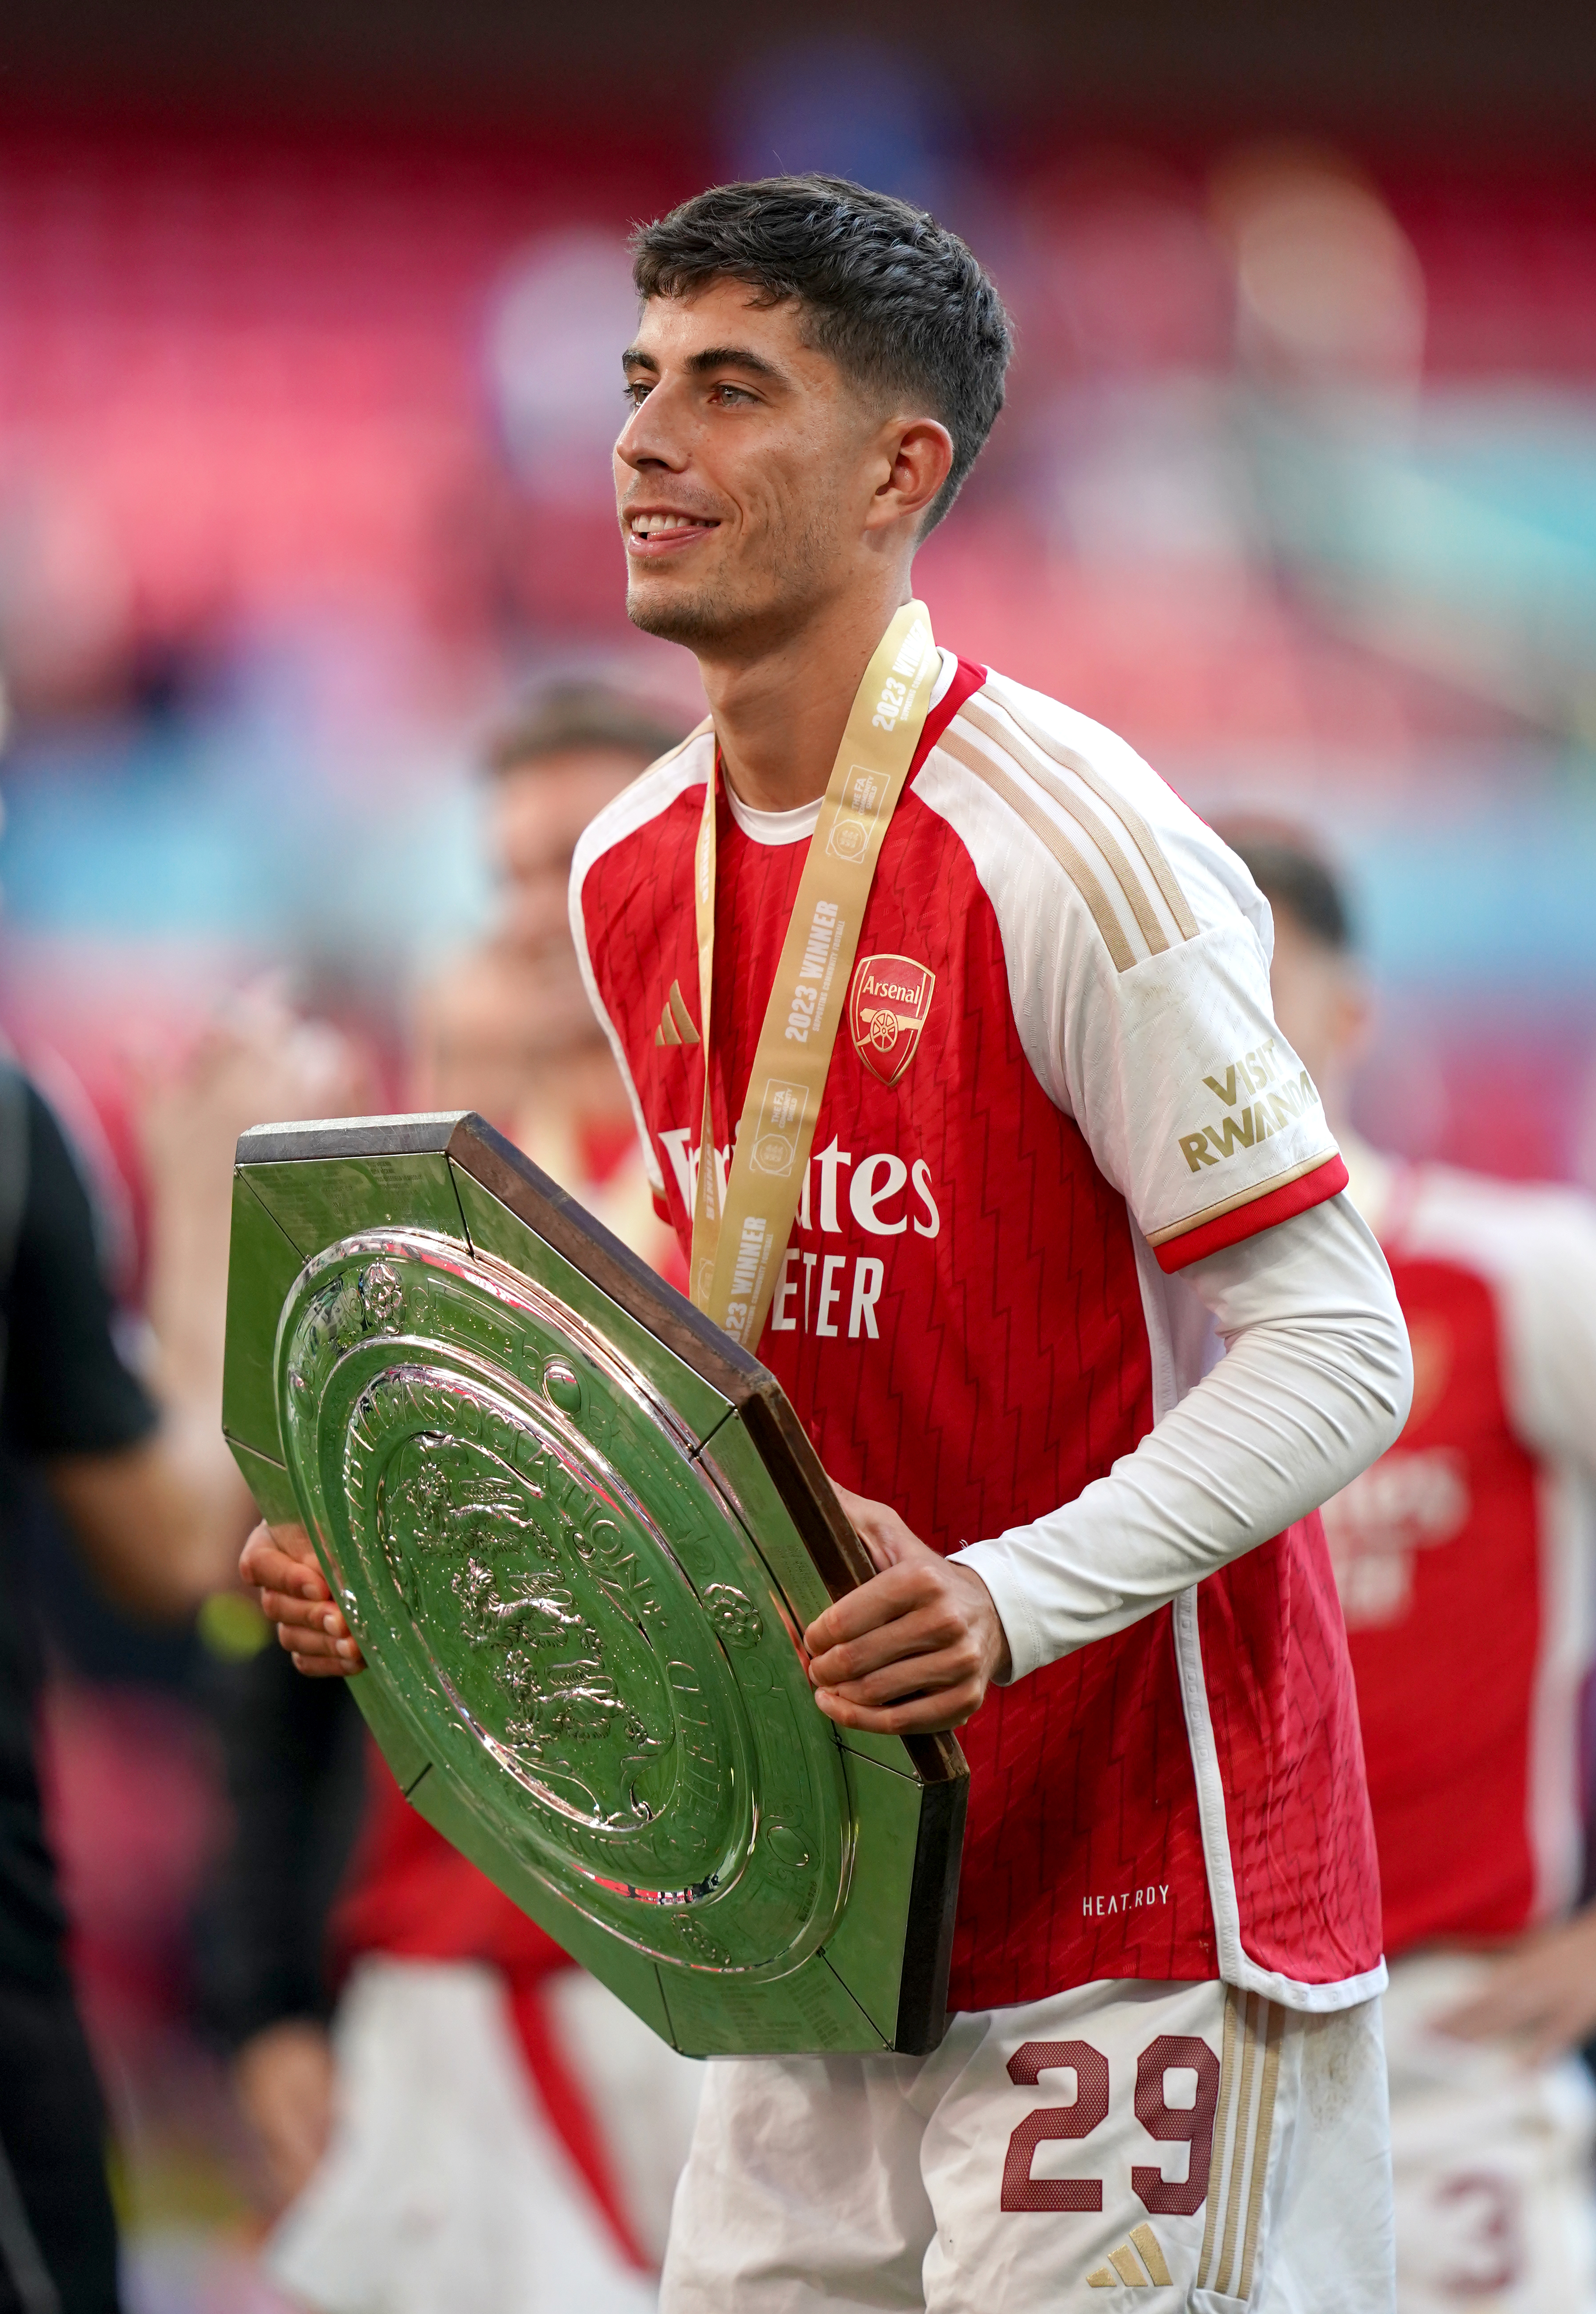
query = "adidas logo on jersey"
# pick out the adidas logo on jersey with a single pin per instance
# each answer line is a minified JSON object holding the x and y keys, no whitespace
{"x":1137,"y":2272}
{"x":675,"y":1022}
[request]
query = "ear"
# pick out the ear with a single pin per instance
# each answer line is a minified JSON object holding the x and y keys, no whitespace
{"x":1353,"y":1016}
{"x":918,"y":453}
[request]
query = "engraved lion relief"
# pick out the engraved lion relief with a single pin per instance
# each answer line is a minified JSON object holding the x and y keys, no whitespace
{"x":507,"y":1581}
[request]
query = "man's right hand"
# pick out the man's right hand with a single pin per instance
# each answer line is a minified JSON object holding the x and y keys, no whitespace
{"x":280,"y":1563}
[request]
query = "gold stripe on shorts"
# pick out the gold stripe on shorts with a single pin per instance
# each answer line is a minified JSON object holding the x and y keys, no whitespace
{"x":1247,"y":2036}
{"x":1239,"y":2170}
{"x":1273,"y":2033}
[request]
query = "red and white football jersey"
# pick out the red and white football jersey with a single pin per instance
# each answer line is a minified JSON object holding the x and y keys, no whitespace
{"x":1464,"y":1555}
{"x":1077,"y":1089}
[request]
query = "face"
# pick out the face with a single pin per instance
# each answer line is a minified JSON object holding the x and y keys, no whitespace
{"x":1321,"y":1006}
{"x":754,"y":481}
{"x":537,"y":811}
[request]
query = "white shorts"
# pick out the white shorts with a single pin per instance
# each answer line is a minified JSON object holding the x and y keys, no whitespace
{"x":1491,"y":2158}
{"x":1159,"y":2146}
{"x":446,"y":2189}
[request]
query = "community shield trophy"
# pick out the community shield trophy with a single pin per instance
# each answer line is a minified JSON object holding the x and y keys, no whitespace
{"x":578,"y":1533}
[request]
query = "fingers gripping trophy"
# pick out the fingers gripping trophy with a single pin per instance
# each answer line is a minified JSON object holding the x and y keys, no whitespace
{"x":947,"y":1032}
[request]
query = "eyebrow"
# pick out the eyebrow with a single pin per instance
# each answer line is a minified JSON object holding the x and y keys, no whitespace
{"x":711,"y":358}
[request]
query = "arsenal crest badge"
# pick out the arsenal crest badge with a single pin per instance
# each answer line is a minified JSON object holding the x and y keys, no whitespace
{"x":888,"y":1006}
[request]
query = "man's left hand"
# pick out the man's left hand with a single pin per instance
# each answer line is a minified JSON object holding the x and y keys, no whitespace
{"x":1541,"y":1995}
{"x":915,"y":1649}
{"x":280,"y":1563}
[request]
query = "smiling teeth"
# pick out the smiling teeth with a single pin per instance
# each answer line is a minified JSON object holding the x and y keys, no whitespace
{"x":649,"y":525}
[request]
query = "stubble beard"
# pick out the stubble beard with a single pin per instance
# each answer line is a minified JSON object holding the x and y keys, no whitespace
{"x":721,"y":617}
{"x":696,"y":619}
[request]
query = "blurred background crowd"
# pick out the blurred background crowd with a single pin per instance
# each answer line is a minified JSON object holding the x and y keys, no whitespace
{"x":309,"y":321}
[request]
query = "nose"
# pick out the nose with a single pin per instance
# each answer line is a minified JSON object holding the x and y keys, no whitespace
{"x":651,"y":436}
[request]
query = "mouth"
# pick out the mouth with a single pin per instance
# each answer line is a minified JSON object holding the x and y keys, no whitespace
{"x":655,"y":531}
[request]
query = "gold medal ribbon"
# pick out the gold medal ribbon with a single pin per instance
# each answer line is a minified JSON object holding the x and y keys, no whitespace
{"x":740,"y":1229}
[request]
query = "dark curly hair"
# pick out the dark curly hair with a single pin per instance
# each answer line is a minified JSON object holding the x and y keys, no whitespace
{"x":895,"y":300}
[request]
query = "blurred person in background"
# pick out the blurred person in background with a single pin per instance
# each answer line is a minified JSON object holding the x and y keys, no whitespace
{"x":1464,"y":1558}
{"x":483,"y":2128}
{"x":507,"y":1029}
{"x":129,"y":1450}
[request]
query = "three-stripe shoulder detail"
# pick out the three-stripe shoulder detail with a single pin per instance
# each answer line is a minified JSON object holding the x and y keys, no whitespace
{"x":1113,"y":852}
{"x":1071,"y":859}
{"x":1120,"y":836}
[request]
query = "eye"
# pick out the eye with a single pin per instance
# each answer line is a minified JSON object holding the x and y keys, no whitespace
{"x":735,"y":396}
{"x":634,"y":391}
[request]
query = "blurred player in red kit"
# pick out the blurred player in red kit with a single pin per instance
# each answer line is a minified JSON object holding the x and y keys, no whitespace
{"x":927,"y":991}
{"x":1465,"y":1559}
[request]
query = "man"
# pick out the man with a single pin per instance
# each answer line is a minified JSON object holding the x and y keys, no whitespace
{"x":506,"y":1029}
{"x":465,"y":2037}
{"x":134,"y":1467}
{"x":980,"y":1239}
{"x":1464,"y":1558}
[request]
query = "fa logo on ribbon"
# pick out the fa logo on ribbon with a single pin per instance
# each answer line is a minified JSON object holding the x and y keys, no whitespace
{"x":888,"y":1006}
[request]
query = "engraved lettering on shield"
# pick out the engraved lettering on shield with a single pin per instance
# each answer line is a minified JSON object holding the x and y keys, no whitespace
{"x":889,"y":1002}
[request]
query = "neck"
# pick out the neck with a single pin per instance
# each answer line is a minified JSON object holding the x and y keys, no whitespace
{"x":779,"y":712}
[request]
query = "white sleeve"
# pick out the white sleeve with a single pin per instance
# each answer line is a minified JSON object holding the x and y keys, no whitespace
{"x":1137,"y":954}
{"x":1315,"y":1383}
{"x":1193,"y":1103}
{"x":1549,"y":1298}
